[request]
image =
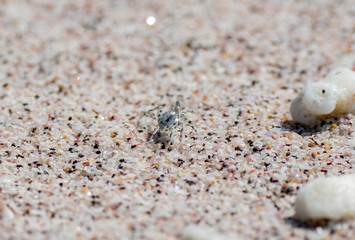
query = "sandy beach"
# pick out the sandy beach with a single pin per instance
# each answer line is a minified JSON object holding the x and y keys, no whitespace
{"x":76,"y":78}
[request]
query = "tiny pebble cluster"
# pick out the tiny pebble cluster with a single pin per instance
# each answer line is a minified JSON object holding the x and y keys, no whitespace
{"x":75,"y":77}
{"x":333,"y":95}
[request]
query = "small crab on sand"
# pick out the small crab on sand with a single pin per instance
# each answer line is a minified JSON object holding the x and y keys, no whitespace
{"x":169,"y":121}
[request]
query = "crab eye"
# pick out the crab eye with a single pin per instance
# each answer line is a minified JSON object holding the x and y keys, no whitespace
{"x":167,"y":121}
{"x":170,"y":119}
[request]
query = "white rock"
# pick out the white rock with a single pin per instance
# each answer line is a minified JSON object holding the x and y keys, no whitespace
{"x":194,"y":232}
{"x":335,"y":94}
{"x":327,"y":198}
{"x":7,"y":214}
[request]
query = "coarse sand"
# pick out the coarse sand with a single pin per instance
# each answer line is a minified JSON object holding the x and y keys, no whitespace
{"x":76,"y":77}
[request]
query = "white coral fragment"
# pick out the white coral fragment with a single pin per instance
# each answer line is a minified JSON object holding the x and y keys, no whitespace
{"x":327,"y":198}
{"x":335,"y":94}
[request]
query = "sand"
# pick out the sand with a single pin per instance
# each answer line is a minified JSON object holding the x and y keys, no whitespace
{"x":75,"y":161}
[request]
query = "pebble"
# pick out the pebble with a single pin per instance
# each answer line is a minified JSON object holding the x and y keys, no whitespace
{"x":335,"y":94}
{"x":330,"y":198}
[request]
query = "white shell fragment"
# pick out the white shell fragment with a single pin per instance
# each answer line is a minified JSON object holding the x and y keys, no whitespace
{"x":335,"y":94}
{"x":330,"y":198}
